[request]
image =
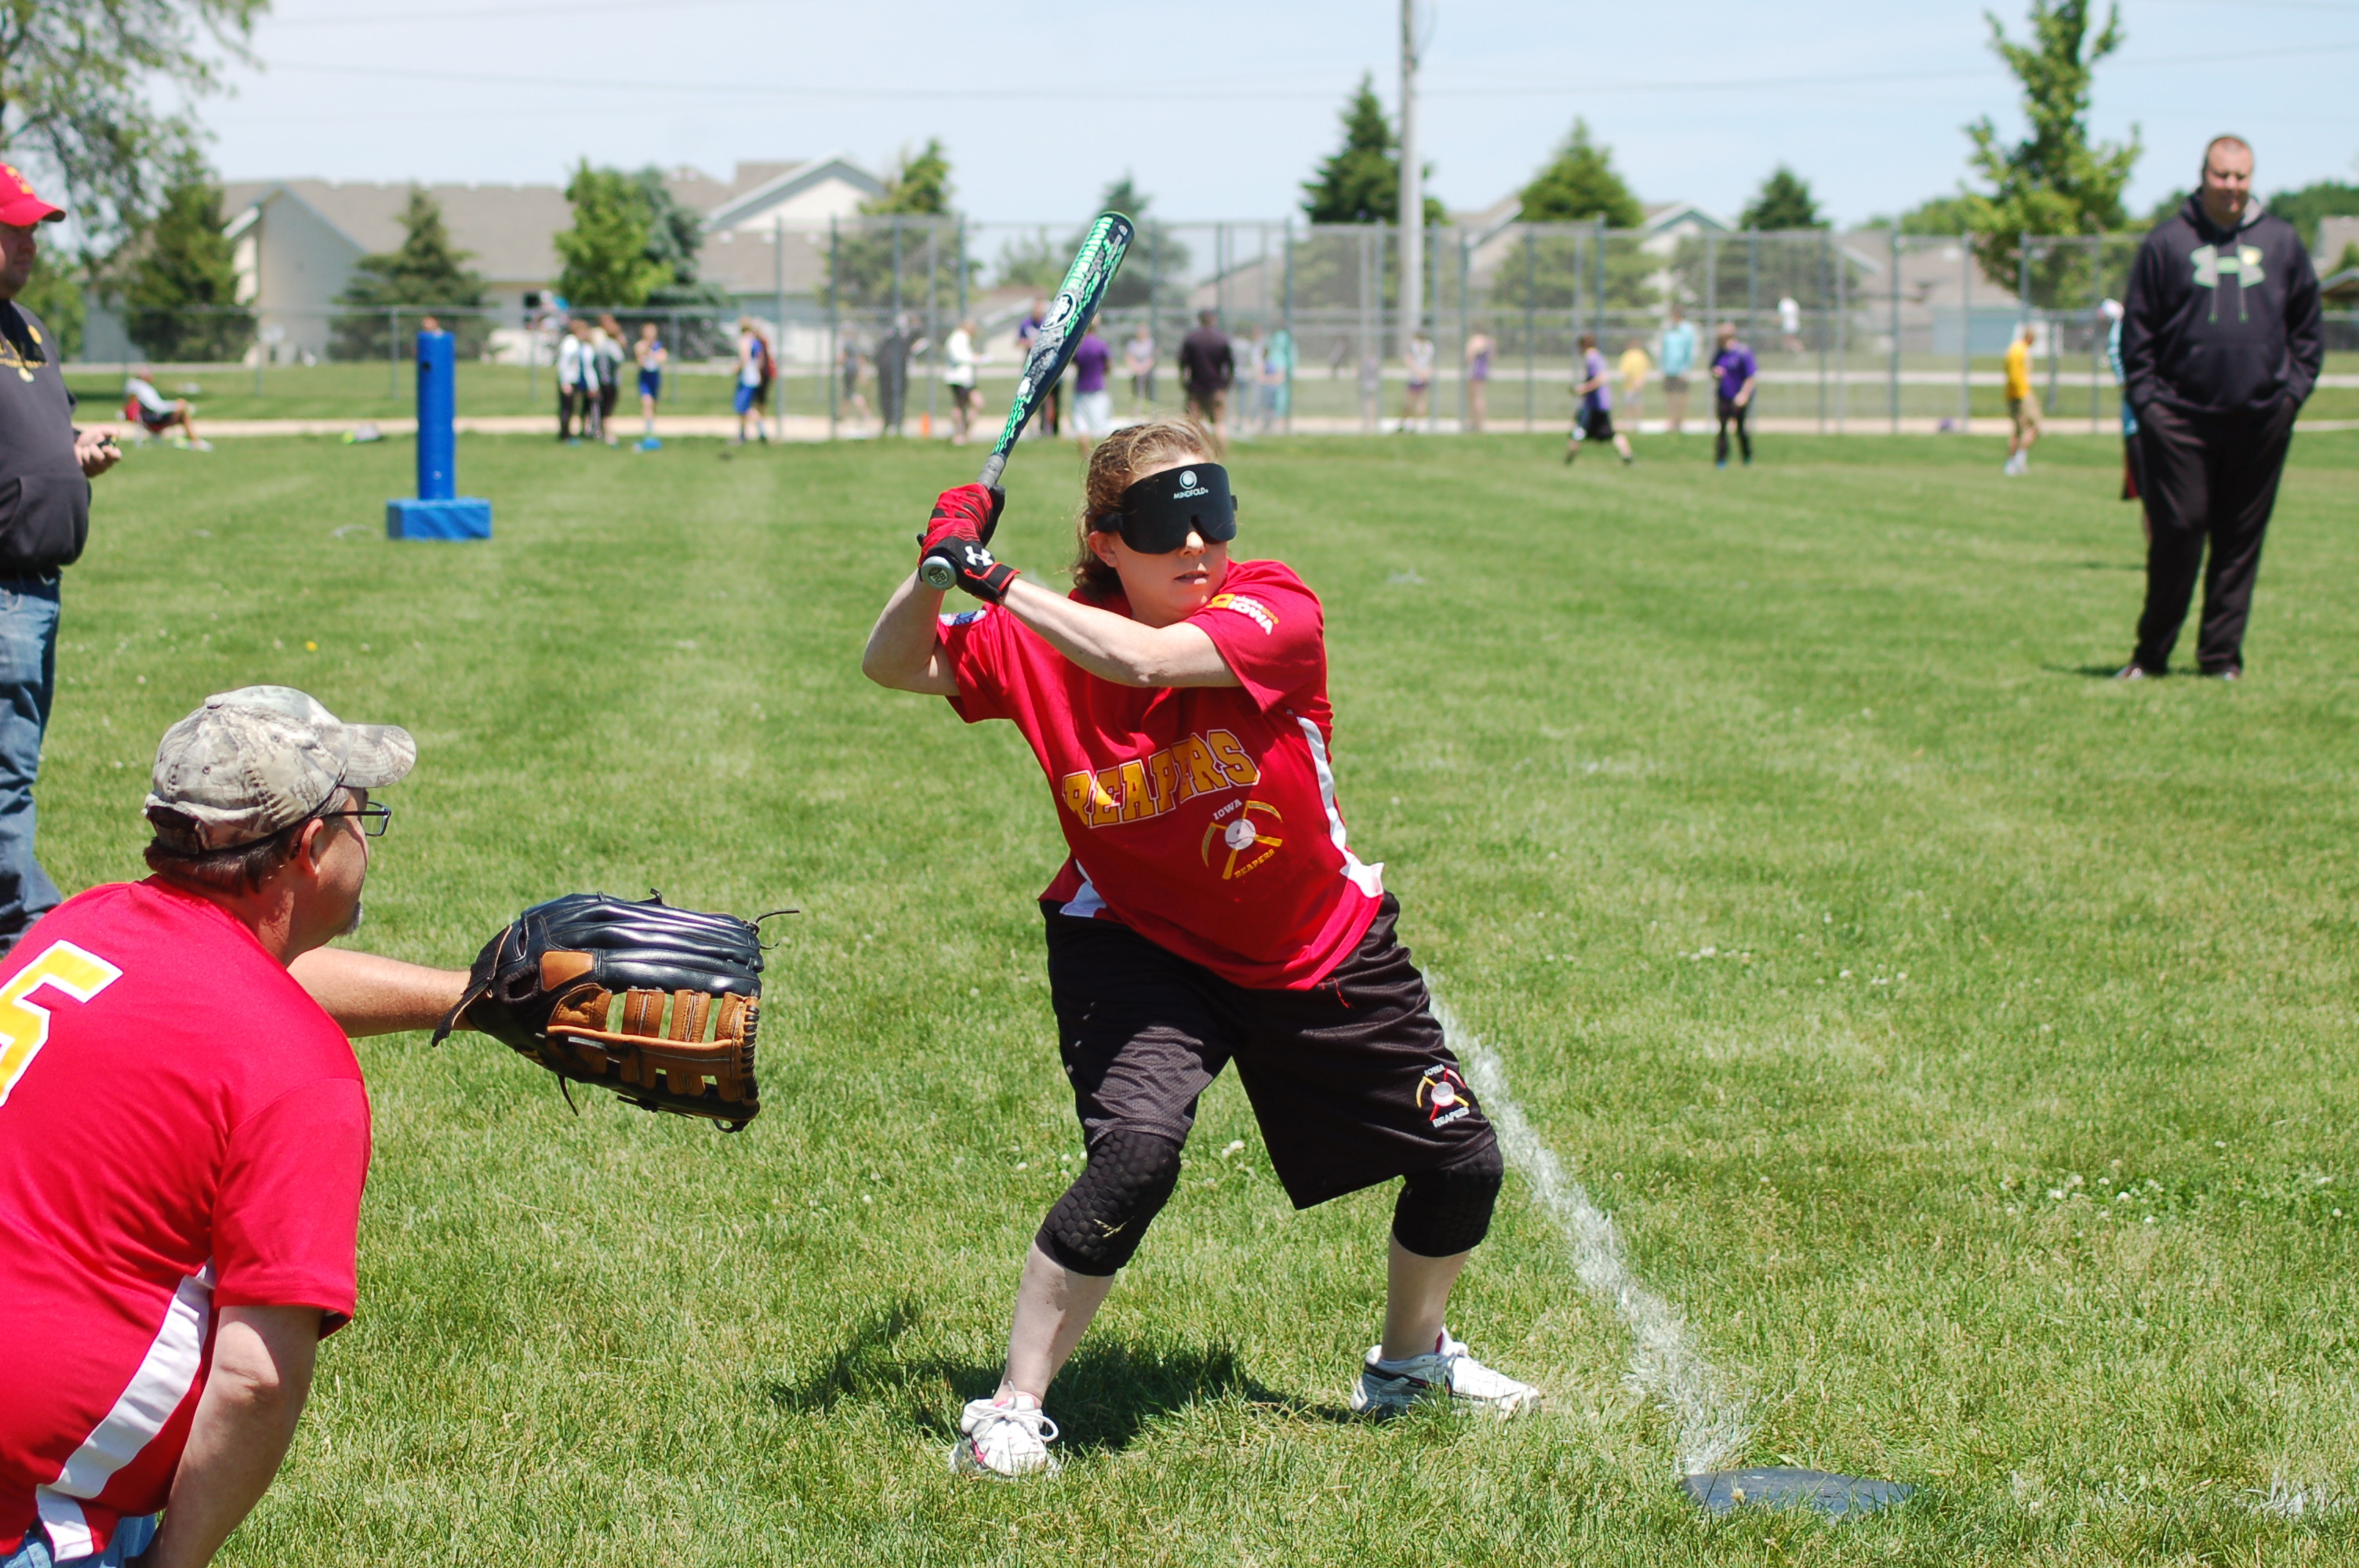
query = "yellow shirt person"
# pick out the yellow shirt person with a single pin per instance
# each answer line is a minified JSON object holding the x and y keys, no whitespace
{"x":2021,"y":406}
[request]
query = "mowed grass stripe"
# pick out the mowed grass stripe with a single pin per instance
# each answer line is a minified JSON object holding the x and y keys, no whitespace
{"x":618,"y":1337}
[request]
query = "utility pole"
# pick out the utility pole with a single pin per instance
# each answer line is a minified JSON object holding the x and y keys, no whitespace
{"x":1412,"y":183}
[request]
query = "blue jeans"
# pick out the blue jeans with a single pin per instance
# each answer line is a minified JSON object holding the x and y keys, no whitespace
{"x":132,"y":1537}
{"x":28,"y":672}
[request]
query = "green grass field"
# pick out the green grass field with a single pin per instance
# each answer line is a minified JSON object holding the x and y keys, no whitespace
{"x":1962,"y":1042}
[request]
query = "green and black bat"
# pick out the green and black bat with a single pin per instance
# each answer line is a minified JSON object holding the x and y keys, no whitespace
{"x":1069,"y":314}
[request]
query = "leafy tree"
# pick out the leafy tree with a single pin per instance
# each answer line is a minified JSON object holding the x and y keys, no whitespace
{"x":898,"y":229}
{"x":1784,"y":202}
{"x":1032,"y":261}
{"x":1360,"y":181}
{"x":606,"y":252}
{"x":2054,"y":181}
{"x":1937,"y":215}
{"x":56,"y":294}
{"x":2349,"y":259}
{"x":387,"y":293}
{"x":1581,"y":184}
{"x":84,"y":88}
{"x":179,"y":288}
{"x":2323,"y":199}
{"x":675,"y":239}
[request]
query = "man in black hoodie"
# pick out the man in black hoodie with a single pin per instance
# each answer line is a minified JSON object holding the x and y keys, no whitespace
{"x":46,"y":467}
{"x":2220,"y":342}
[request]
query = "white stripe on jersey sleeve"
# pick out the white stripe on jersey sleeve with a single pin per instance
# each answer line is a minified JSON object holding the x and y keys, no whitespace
{"x":1369,"y":879}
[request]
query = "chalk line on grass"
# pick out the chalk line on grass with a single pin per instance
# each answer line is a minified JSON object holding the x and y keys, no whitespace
{"x":1708,"y":1417}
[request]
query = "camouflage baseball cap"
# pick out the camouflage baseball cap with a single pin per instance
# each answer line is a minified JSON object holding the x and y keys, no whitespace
{"x":256,"y":761}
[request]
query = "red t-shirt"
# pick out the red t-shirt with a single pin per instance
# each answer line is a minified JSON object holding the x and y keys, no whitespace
{"x":1203,"y":817}
{"x":182,"y":1128}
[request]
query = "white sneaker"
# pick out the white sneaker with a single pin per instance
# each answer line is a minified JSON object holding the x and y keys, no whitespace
{"x":1005,"y":1442}
{"x":1449,"y":1372}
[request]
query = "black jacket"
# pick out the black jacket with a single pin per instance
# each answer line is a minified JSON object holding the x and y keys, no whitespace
{"x":2221,"y":323}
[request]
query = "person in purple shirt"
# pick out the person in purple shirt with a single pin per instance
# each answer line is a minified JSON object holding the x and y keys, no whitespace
{"x":1593,"y":420}
{"x":1093,"y":404}
{"x":1735,"y":372}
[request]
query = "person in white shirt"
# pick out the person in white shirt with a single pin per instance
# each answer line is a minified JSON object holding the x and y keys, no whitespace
{"x":577,"y":382}
{"x":156,"y":413}
{"x":1139,"y":356}
{"x":959,"y":362}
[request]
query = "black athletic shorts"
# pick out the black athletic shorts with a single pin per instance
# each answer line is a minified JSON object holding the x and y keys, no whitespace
{"x":1597,"y":424}
{"x":1350,"y":1080}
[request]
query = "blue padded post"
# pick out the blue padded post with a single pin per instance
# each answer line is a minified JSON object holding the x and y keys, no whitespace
{"x":439,"y":511}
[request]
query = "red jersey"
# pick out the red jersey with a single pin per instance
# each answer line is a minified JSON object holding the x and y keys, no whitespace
{"x":1203,"y":817}
{"x":182,"y":1128}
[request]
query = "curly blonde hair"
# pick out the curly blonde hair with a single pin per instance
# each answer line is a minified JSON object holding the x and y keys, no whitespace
{"x":1121,"y":460}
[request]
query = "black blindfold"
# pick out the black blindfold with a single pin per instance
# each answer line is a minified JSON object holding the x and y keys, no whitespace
{"x":1160,"y":510}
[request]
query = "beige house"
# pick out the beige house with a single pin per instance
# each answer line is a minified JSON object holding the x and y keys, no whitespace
{"x":296,"y":241}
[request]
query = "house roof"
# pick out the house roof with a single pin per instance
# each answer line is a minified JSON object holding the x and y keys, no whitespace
{"x":505,"y":229}
{"x":761,"y":185}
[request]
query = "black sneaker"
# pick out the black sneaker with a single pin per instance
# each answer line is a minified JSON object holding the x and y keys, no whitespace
{"x":2133,"y":671}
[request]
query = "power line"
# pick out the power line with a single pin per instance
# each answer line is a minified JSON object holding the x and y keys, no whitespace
{"x":1258,"y":94}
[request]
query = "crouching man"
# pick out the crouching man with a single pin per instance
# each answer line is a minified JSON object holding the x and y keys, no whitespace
{"x":184,"y":1135}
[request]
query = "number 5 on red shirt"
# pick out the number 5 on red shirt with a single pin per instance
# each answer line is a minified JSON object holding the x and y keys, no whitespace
{"x":25,"y":1023}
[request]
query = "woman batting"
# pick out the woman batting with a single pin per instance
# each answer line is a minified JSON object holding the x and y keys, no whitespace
{"x":1209,"y":912}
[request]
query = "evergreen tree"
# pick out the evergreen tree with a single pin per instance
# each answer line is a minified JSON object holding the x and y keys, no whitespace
{"x":388,"y":292}
{"x":1784,"y":202}
{"x":1580,"y":184}
{"x":920,"y":186}
{"x":2055,"y":181}
{"x":606,"y":252}
{"x":1360,"y":182}
{"x":1156,"y":267}
{"x":180,"y":293}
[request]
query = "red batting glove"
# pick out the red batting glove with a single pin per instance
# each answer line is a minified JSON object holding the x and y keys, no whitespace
{"x":970,"y":511}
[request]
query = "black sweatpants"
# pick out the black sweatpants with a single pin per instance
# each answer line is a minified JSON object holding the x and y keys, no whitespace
{"x":2207,"y":479}
{"x":1732,"y":412}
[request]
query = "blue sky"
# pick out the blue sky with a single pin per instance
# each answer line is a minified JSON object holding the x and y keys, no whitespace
{"x":1221,"y":108}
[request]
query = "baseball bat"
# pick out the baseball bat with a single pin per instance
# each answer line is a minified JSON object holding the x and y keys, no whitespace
{"x":1077,"y":301}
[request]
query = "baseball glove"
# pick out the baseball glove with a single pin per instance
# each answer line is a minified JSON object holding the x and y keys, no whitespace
{"x":656,"y":1003}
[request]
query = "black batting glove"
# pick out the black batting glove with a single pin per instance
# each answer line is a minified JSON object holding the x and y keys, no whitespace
{"x":980,"y":572}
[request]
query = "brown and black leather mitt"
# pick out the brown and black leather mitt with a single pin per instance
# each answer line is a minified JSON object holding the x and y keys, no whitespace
{"x":656,"y":1003}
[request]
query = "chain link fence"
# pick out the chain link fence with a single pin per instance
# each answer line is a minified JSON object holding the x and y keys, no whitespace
{"x":1860,"y":332}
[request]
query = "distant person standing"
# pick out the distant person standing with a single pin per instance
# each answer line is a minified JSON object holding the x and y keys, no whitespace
{"x":2132,"y":488}
{"x":1593,"y":420}
{"x":651,"y":357}
{"x":893,"y":350}
{"x":1208,"y":367}
{"x":1277,"y":379}
{"x":1634,"y":367}
{"x":848,"y":368}
{"x":46,"y":467}
{"x":1734,"y":374}
{"x":752,"y":380}
{"x":1479,"y":349}
{"x":2022,"y":405}
{"x":1418,"y":359}
{"x":577,"y":383}
{"x":1677,"y":359}
{"x":1050,"y":419}
{"x":1138,"y":358}
{"x":1093,"y":404}
{"x":1789,"y":323}
{"x":2215,"y":382}
{"x":608,"y":340}
{"x":960,"y":361}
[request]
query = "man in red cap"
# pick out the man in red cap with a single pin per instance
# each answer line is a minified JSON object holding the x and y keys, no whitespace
{"x":46,"y":467}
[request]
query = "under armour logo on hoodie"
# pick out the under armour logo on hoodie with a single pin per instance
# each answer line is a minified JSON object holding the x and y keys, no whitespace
{"x":2243,"y":263}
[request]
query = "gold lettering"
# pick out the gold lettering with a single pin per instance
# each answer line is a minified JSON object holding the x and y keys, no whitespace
{"x":1104,"y":810}
{"x":1136,"y":800}
{"x":1203,"y":774}
{"x":1164,"y":774}
{"x":1076,"y":789}
{"x":1232,"y":757}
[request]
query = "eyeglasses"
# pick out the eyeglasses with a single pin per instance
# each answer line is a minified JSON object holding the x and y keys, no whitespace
{"x":376,"y":817}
